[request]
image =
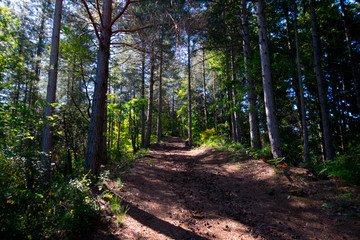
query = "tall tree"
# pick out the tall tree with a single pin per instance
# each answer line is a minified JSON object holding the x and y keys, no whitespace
{"x":189,"y":88}
{"x":204,"y":88}
{"x":143,"y":117}
{"x":326,"y":129}
{"x":47,"y":139}
{"x":251,"y":97}
{"x":96,"y":133}
{"x":301,"y":89}
{"x":270,"y":109}
{"x":159,"y":127}
{"x":150,"y":98}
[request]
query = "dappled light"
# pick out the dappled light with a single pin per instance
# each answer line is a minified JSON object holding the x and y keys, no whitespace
{"x":180,"y":119}
{"x":177,"y":193}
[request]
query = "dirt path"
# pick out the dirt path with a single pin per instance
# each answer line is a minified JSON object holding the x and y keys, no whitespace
{"x":176,"y":193}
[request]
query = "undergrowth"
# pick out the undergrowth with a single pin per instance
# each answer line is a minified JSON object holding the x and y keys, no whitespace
{"x":63,"y":209}
{"x":345,"y":167}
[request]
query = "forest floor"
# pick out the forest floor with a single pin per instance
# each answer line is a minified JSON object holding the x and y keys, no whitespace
{"x":178,"y":193}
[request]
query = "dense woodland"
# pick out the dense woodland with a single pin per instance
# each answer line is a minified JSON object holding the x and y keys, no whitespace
{"x":90,"y":83}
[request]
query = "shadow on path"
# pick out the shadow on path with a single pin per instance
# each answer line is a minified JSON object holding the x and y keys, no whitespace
{"x":159,"y":225}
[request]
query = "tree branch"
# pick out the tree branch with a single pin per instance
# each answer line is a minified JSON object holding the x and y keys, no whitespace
{"x":92,"y":20}
{"x":133,"y":30}
{"x":100,"y":16}
{"x":131,"y":46}
{"x":121,"y":13}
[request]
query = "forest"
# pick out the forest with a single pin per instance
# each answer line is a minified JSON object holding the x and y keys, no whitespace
{"x":90,"y":87}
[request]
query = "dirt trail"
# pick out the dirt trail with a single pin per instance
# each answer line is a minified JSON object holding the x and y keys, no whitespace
{"x":176,"y":193}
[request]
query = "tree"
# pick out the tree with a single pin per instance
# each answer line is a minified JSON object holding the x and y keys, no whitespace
{"x":96,"y":138}
{"x":301,"y":90}
{"x":327,"y":138}
{"x":51,"y":91}
{"x":204,"y":88}
{"x":271,"y":120}
{"x":190,"y":136}
{"x":253,"y":117}
{"x":159,"y":127}
{"x":151,"y":98}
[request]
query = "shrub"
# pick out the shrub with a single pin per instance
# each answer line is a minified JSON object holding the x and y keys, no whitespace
{"x":344,"y":167}
{"x":59,"y":210}
{"x":207,"y":134}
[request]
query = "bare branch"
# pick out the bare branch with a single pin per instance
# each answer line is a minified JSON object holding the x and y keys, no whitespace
{"x":121,"y":13}
{"x":100,"y":16}
{"x":140,"y":28}
{"x":92,"y":20}
{"x":131,"y":46}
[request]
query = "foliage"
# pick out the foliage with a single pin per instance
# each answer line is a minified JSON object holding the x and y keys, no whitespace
{"x":207,"y":134}
{"x":118,"y":210}
{"x":221,"y":143}
{"x":345,"y":167}
{"x":264,"y":153}
{"x":59,"y":210}
{"x":345,"y":204}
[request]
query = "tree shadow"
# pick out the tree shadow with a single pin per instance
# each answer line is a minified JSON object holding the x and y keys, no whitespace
{"x":159,"y":225}
{"x":260,"y":205}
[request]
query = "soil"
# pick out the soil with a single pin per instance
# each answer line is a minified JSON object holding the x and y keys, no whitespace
{"x":178,"y":193}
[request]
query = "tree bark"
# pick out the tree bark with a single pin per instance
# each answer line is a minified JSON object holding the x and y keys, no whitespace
{"x":301,"y":90}
{"x":159,"y":130}
{"x":47,"y":139}
{"x":143,"y":97}
{"x":189,"y":91}
{"x":292,"y":53}
{"x":94,"y":152}
{"x":233,"y":93}
{"x":270,"y":109}
{"x":253,"y":116}
{"x":150,"y":99}
{"x":214,"y":102}
{"x":327,"y":138}
{"x":229,"y":104}
{"x":204,"y":89}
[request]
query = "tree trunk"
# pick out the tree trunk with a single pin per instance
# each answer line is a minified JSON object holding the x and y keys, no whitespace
{"x":271,"y":120}
{"x":292,"y":61}
{"x":96,"y":133}
{"x":143,"y":97}
{"x":118,"y":133}
{"x":253,"y":116}
{"x":150,"y":99}
{"x":159,"y":130}
{"x":329,"y":152}
{"x":214,"y":102}
{"x":233,"y":93}
{"x":29,"y":96}
{"x":47,"y":139}
{"x":229,"y":104}
{"x":204,"y":89}
{"x":301,"y":90}
{"x":189,"y":92}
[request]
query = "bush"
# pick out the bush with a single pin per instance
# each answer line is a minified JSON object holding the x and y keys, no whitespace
{"x":207,"y":134}
{"x":344,"y":167}
{"x":264,"y":153}
{"x":59,"y":210}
